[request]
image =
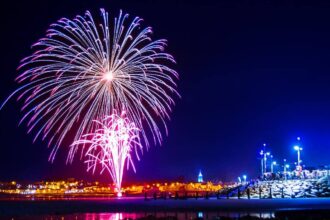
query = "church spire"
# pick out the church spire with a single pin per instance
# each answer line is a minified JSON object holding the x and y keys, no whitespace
{"x":200,"y":177}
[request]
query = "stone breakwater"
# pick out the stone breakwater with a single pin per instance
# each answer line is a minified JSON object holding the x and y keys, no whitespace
{"x":309,"y":188}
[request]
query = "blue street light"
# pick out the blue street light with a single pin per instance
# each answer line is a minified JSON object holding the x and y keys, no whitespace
{"x":262,"y":152}
{"x":264,"y":160}
{"x":244,"y":178}
{"x":298,"y":149}
{"x":286,"y":166}
{"x":272,"y":166}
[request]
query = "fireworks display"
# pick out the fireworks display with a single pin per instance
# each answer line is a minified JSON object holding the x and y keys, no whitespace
{"x":83,"y":70}
{"x":82,"y":73}
{"x":110,"y":146}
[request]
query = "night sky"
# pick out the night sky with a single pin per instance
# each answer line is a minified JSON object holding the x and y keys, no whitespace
{"x":250,"y":72}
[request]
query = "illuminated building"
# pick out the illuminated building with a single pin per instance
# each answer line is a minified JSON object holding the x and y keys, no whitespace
{"x":200,"y":177}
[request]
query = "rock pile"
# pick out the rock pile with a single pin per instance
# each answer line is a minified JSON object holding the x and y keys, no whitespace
{"x":300,"y":188}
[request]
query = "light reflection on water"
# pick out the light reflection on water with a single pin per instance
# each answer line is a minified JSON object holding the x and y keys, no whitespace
{"x":153,"y":215}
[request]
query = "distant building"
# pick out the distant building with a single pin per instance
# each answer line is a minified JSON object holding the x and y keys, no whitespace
{"x":200,"y":177}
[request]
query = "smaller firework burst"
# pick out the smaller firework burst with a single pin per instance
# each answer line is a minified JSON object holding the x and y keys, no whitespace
{"x":110,"y":147}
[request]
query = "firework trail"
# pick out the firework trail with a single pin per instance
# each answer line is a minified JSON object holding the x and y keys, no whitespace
{"x":110,"y":146}
{"x":83,"y":70}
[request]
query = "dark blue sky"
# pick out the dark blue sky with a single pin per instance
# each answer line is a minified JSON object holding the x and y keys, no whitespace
{"x":250,"y":72}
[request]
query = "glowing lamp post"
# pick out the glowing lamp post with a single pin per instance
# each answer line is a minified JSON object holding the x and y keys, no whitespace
{"x":272,"y":166}
{"x":265,"y":160}
{"x":298,"y":149}
{"x":262,"y":162}
{"x":264,"y":154}
{"x":286,"y":166}
{"x":244,"y":178}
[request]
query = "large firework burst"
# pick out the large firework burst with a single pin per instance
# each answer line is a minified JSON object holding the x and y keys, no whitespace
{"x":110,"y":146}
{"x":83,"y":70}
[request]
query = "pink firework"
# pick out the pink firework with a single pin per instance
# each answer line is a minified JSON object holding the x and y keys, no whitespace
{"x":110,"y":146}
{"x":85,"y":68}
